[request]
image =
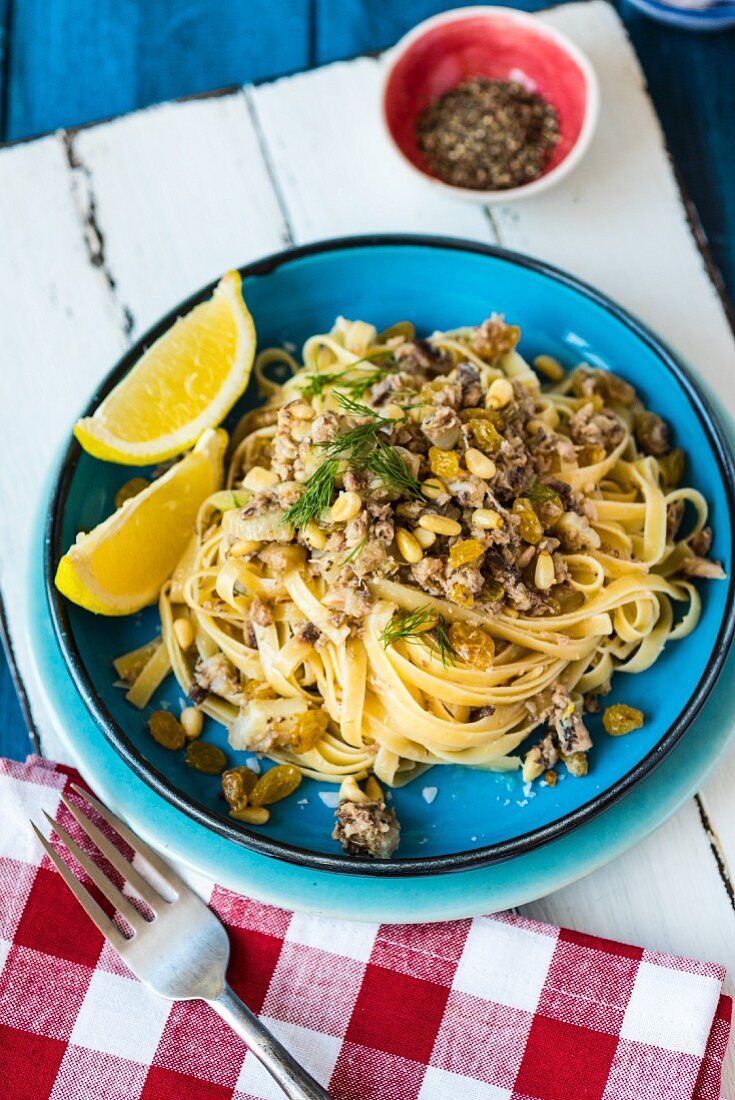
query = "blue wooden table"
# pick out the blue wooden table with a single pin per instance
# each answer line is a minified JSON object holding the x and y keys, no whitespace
{"x":67,"y":62}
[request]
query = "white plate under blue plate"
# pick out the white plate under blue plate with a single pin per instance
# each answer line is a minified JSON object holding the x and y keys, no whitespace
{"x":418,"y":899}
{"x":476,"y":818}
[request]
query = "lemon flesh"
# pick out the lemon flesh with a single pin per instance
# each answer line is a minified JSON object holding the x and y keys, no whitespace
{"x":186,"y":382}
{"x":120,"y":566}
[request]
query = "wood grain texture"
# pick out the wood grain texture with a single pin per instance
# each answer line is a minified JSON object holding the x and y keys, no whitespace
{"x":202,"y":204}
{"x":76,"y":60}
{"x":335,"y":168}
{"x":627,"y":231}
{"x":691,"y":79}
{"x":119,"y":232}
{"x":372,"y":25}
{"x":47,"y":272}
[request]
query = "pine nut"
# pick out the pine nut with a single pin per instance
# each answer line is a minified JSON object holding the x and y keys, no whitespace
{"x":259,"y":478}
{"x":346,"y":507}
{"x":425,"y":539}
{"x":184,"y":633}
{"x":433,"y":489}
{"x":479,"y":464}
{"x":531,"y":769}
{"x":544,"y":576}
{"x":393,"y":412}
{"x":241,"y":547}
{"x":500,"y":394}
{"x":314,"y":536}
{"x":440,"y":525}
{"x":487,"y":518}
{"x":550,"y":367}
{"x":350,"y":792}
{"x":251,"y":815}
{"x":192,"y":720}
{"x":373,"y":789}
{"x":409,"y":546}
{"x":535,"y":425}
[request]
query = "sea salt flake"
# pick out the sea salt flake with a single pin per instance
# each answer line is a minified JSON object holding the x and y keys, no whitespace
{"x":254,"y":764}
{"x":429,"y":794}
{"x":330,"y":798}
{"x":303,"y":802}
{"x":523,"y":802}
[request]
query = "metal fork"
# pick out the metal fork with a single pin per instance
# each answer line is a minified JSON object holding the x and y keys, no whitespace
{"x":182,"y":952}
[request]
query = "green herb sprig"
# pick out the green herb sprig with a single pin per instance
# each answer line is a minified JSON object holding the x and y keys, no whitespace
{"x":355,"y":552}
{"x":317,"y":381}
{"x":409,"y":626}
{"x":363,"y":449}
{"x":318,"y":494}
{"x":386,"y":463}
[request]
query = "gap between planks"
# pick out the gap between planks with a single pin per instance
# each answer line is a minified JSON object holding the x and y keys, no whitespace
{"x":293,"y":216}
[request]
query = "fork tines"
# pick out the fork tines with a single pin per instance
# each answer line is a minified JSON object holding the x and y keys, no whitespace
{"x":152,"y":897}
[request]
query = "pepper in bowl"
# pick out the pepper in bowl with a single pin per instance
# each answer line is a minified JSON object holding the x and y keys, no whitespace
{"x":489,"y":104}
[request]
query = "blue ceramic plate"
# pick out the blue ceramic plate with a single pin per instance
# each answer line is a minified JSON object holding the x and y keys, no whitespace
{"x":476,"y":817}
{"x":717,"y":17}
{"x":354,"y":897}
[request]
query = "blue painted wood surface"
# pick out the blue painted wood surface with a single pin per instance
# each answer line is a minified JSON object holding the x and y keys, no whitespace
{"x":67,"y":62}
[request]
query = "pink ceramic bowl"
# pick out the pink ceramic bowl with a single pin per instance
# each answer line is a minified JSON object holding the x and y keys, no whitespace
{"x":494,"y":42}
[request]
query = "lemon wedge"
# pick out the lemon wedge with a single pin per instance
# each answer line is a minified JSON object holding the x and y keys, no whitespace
{"x":186,"y":382}
{"x":119,"y":567}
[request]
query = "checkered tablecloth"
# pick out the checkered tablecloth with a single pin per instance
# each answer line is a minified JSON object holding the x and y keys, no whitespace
{"x":495,"y":1008}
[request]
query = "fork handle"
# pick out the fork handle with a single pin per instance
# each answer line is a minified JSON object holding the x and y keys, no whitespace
{"x":296,"y":1083}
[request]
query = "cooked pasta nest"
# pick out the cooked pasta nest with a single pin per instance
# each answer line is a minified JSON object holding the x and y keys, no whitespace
{"x":426,"y":549}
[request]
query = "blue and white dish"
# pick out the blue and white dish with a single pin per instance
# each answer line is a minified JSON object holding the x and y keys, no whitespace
{"x":715,"y":17}
{"x":453,"y":819}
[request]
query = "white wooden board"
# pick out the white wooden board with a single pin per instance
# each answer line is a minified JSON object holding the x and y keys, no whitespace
{"x":103,"y":232}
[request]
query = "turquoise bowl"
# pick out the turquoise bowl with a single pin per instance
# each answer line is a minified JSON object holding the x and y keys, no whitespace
{"x":475,"y":818}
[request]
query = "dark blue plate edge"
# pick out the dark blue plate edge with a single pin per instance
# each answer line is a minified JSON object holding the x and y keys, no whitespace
{"x":458,"y":861}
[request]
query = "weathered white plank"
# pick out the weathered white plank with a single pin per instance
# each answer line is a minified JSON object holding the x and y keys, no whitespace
{"x":659,"y":896}
{"x":183,"y":193}
{"x":618,"y":221}
{"x":336,"y":170}
{"x":60,"y":331}
{"x":117,"y":223}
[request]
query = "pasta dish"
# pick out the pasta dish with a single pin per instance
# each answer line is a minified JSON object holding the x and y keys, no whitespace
{"x":427,"y":551}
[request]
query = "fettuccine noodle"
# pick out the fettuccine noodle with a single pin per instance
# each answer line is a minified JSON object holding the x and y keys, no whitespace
{"x":521,"y":545}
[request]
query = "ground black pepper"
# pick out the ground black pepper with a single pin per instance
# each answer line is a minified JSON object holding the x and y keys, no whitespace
{"x":488,"y":135}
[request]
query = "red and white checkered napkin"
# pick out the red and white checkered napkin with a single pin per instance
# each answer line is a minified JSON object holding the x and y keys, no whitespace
{"x":485,"y":1009}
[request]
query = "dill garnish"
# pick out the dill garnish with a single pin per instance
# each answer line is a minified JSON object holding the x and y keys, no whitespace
{"x":355,"y":552}
{"x":358,"y":387}
{"x":405,"y":626}
{"x":443,"y":643}
{"x":363,"y":449}
{"x":355,"y":444}
{"x":387,"y":464}
{"x":318,"y":381}
{"x":408,"y":626}
{"x":318,"y":494}
{"x":357,"y":408}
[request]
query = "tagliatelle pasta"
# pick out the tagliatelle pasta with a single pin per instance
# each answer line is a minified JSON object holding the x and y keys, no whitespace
{"x":422,"y":554}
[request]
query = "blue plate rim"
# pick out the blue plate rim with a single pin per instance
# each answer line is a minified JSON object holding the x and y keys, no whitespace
{"x":428,"y":865}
